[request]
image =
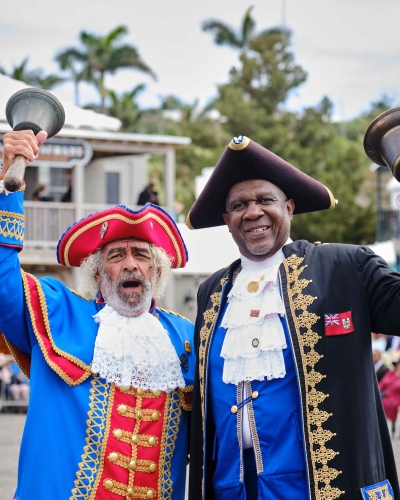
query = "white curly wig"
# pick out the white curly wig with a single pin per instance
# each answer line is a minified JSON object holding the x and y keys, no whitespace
{"x":87,"y":285}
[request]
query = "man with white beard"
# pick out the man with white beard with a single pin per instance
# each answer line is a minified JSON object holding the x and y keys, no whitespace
{"x":111,"y":374}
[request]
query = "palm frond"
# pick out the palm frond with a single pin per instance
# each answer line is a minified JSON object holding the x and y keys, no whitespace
{"x":223,"y":34}
{"x":248,"y":26}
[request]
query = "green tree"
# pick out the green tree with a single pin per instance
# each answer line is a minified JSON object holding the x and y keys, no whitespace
{"x":34,"y":77}
{"x":74,"y":62}
{"x":125,"y":108}
{"x":226,"y":35}
{"x":102,"y":55}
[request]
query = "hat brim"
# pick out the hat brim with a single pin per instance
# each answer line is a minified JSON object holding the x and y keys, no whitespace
{"x":151,"y":223}
{"x":247,"y":161}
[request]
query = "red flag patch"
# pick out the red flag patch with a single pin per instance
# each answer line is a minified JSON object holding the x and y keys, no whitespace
{"x":338,"y":323}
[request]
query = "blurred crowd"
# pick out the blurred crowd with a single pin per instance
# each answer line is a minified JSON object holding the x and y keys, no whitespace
{"x":14,"y":386}
{"x":386,"y":355}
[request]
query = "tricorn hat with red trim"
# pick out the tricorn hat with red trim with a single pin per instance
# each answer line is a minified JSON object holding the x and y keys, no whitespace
{"x":151,"y":223}
{"x":244,"y":160}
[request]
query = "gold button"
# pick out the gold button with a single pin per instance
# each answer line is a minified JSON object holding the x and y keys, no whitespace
{"x":150,"y":494}
{"x":152,"y":468}
{"x":108,"y":484}
{"x":117,"y":433}
{"x":234,"y":409}
{"x":132,"y":465}
{"x":188,"y":347}
{"x":135,"y":438}
{"x":122,"y":409}
{"x":254,"y":394}
{"x":130,"y":493}
{"x":155,"y":415}
{"x":140,"y":391}
{"x":113,"y":457}
{"x":157,"y":394}
{"x":152,"y":440}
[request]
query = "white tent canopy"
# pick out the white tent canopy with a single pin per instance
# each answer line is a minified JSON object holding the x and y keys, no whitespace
{"x":75,"y":117}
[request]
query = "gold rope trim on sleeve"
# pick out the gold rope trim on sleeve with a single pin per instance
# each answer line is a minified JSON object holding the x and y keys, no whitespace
{"x":188,"y":223}
{"x":64,"y":354}
{"x":17,"y":360}
{"x":12,"y":225}
{"x":127,"y":221}
{"x":307,"y":339}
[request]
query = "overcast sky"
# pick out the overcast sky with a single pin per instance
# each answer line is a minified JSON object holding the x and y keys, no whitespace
{"x":349,"y":48}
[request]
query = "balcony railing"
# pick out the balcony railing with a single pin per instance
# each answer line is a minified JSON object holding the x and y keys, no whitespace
{"x":45,"y":222}
{"x":389,"y":223}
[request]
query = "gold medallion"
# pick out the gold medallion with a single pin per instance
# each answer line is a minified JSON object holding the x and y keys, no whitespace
{"x":253,"y":286}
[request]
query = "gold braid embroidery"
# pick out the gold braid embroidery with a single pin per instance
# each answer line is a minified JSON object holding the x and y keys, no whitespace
{"x":307,"y":339}
{"x":43,"y":306}
{"x":172,"y":418}
{"x":16,"y":357}
{"x":12,"y":225}
{"x":185,"y":406}
{"x":96,"y":424}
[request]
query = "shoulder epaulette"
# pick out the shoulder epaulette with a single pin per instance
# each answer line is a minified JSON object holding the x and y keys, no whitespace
{"x":173,"y":313}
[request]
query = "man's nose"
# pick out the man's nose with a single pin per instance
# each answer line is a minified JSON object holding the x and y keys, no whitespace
{"x":130,"y":263}
{"x":253,"y":210}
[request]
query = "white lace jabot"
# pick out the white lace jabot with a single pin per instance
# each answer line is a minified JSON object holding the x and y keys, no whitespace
{"x":254,"y":340}
{"x":135,"y":351}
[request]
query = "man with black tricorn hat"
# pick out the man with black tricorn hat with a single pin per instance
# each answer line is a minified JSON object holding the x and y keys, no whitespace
{"x":282,"y":408}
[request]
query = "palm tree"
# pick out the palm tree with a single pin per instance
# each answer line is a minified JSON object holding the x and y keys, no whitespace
{"x":125,"y":108}
{"x":101,"y":55}
{"x":34,"y":77}
{"x":226,"y":35}
{"x":75,"y":62}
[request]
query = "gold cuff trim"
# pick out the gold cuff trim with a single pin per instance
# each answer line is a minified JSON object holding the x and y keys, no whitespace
{"x":17,"y":360}
{"x":12,"y":225}
{"x":238,"y":147}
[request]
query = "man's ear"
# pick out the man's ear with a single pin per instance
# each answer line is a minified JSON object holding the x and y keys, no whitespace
{"x":226,"y":220}
{"x":159,"y":271}
{"x":97,"y":277}
{"x":290,"y":208}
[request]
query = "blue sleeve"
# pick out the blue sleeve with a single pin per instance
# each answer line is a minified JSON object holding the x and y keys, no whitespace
{"x":13,"y":312}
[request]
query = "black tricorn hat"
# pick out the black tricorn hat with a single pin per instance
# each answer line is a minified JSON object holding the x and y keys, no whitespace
{"x":244,"y":160}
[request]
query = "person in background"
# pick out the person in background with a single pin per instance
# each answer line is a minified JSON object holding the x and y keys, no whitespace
{"x":380,"y":368}
{"x":390,"y":392}
{"x":148,"y":195}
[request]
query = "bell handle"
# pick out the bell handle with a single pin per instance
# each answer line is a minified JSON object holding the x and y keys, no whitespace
{"x":15,"y":174}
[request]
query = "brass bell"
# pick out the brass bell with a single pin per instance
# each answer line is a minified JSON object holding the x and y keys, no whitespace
{"x":382,"y":141}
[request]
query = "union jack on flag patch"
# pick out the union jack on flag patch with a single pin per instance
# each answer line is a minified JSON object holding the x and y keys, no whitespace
{"x":331,"y":319}
{"x":339,"y":324}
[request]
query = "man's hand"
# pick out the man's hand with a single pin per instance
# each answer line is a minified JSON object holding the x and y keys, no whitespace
{"x":24,"y":143}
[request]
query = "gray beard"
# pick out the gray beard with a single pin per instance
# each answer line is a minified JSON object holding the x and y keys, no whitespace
{"x":132,"y":304}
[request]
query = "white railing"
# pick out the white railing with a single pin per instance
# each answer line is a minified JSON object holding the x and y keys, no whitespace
{"x":45,"y":221}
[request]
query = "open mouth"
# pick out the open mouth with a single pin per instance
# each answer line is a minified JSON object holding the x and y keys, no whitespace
{"x":262,"y":229}
{"x":131,"y":284}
